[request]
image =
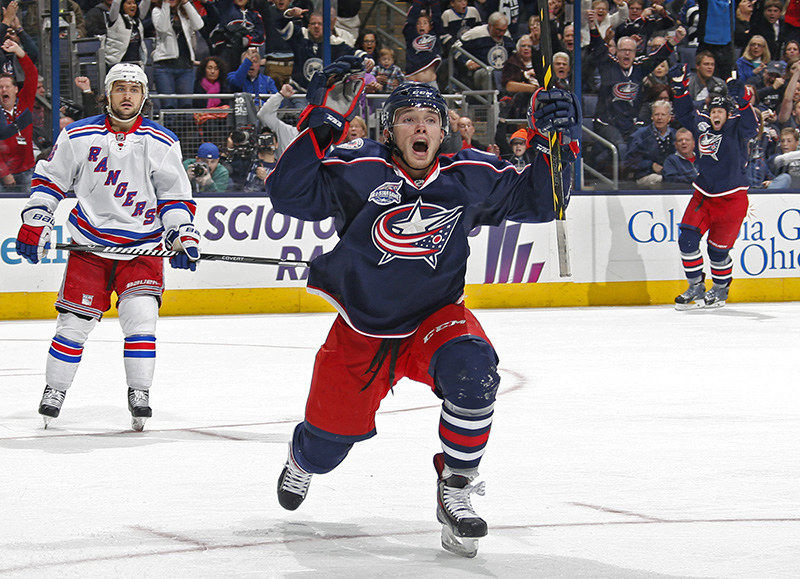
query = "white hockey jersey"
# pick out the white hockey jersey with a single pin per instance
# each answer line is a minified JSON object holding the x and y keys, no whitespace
{"x":130,"y":186}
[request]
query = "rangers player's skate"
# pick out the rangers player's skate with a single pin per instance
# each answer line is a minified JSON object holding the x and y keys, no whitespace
{"x":461,"y":526}
{"x":692,"y":297}
{"x":716,"y":296}
{"x":50,"y":405}
{"x":139,"y":405}
{"x":292,"y":484}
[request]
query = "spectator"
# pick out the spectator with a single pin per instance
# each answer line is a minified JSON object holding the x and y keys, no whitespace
{"x":786,"y":164}
{"x":568,"y":41}
{"x":744,"y":22}
{"x":714,"y":33}
{"x":754,"y":59}
{"x":466,"y":129}
{"x":791,"y":52}
{"x":210,"y":78}
{"x":357,"y":130}
{"x":769,"y":25}
{"x":248,"y":77}
{"x":347,"y":19}
{"x":423,"y":47}
{"x":769,"y":85}
{"x":456,"y":20}
{"x":643,"y":22}
{"x":10,"y":29}
{"x":268,"y":116}
{"x":794,"y":119}
{"x":520,"y":77}
{"x":263,"y":164}
{"x":621,"y":78}
{"x":759,"y":149}
{"x":387,"y":74}
{"x":791,"y":21}
{"x":508,"y":8}
{"x":307,"y":45}
{"x":369,"y":44}
{"x":602,"y":20}
{"x":175,"y":22}
{"x":651,"y":145}
{"x":279,"y":52}
{"x":679,"y":166}
{"x":702,"y":83}
{"x":789,"y":102}
{"x":555,"y":9}
{"x":490,"y":43}
{"x":205,"y":171}
{"x":562,"y":70}
{"x":124,"y":37}
{"x":16,"y":148}
{"x":520,"y":157}
{"x":240,"y":28}
{"x":96,"y":18}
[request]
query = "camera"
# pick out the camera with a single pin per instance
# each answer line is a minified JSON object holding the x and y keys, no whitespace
{"x":266,"y":141}
{"x":197,"y":170}
{"x":243,"y":142}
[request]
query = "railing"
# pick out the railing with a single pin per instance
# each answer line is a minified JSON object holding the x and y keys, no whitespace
{"x":458,"y":84}
{"x":614,"y":181}
{"x":384,"y":15}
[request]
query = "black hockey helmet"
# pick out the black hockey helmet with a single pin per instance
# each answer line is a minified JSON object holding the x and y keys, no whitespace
{"x":414,"y":94}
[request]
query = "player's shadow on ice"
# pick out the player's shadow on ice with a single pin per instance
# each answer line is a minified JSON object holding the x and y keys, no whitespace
{"x":411,"y":549}
{"x":731,"y":312}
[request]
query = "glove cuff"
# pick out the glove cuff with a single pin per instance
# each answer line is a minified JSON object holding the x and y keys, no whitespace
{"x":327,"y":126}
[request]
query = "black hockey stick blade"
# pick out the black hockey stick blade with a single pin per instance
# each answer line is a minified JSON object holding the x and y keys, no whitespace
{"x":167,"y":253}
{"x":556,"y":166}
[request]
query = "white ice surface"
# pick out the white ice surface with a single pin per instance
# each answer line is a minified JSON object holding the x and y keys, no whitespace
{"x":627,"y":442}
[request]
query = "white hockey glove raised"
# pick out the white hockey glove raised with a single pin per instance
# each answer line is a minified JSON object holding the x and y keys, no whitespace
{"x":186,"y":239}
{"x":33,"y":239}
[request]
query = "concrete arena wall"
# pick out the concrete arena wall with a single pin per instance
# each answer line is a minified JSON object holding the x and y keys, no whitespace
{"x":623,"y":252}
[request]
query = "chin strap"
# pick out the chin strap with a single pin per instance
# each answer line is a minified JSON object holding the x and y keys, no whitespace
{"x":110,"y":113}
{"x":394,"y":150}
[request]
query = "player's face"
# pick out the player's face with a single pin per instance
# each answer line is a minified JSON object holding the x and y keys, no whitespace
{"x":418,"y":134}
{"x":126,"y":99}
{"x":718,"y":117}
{"x":684,"y":143}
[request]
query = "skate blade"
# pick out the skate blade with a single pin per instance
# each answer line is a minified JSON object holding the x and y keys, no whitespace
{"x":689,"y":306}
{"x":718,"y":304}
{"x":137,"y":423}
{"x":47,"y":420}
{"x":462,"y":546}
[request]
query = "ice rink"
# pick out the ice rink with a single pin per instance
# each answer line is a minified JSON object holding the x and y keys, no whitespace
{"x":627,"y":442}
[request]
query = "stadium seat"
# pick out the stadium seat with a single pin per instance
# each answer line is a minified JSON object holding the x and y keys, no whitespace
{"x":589,"y":104}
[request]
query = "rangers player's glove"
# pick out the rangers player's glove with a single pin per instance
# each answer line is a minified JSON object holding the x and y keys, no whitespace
{"x":679,"y":79}
{"x":33,"y":239}
{"x":555,"y":110}
{"x":184,"y":238}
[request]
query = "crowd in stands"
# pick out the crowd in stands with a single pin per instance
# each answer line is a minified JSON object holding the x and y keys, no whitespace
{"x":271,"y":48}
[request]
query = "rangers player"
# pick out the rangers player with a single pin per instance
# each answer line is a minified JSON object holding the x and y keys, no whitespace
{"x":719,"y":203}
{"x":396,"y":277}
{"x":131,"y":188}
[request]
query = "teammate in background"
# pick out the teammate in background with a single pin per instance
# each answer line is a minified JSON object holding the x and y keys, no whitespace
{"x":396,"y":277}
{"x":131,"y":188}
{"x":719,"y":203}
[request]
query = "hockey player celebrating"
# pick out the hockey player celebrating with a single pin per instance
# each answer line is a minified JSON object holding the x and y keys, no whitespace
{"x":396,"y":277}
{"x":719,"y":203}
{"x":131,"y":188}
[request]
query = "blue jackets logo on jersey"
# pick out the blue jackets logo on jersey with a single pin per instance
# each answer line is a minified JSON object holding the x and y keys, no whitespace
{"x":414,"y":231}
{"x":625,"y":91}
{"x":708,"y":144}
{"x":386,"y":194}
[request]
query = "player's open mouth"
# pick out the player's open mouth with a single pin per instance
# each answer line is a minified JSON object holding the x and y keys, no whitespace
{"x":420,"y":146}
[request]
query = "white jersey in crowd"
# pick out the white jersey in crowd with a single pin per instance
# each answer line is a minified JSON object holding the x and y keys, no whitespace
{"x":130,"y":186}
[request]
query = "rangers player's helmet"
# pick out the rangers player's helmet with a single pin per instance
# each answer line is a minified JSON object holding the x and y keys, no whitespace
{"x":414,"y":94}
{"x":128,"y":72}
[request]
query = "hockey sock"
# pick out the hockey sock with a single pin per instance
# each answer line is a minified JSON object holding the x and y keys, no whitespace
{"x":66,"y":349}
{"x":692,"y":259}
{"x":137,"y":316}
{"x":464,"y":433}
{"x":721,"y":266}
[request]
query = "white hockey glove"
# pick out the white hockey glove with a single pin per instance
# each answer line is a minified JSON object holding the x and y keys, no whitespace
{"x":33,"y":239}
{"x":186,"y":239}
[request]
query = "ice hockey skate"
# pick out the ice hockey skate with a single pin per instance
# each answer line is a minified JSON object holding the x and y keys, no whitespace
{"x":139,"y":405}
{"x":50,"y":406}
{"x":292,"y":484}
{"x":693,"y":297}
{"x":461,"y":526}
{"x":716,"y":296}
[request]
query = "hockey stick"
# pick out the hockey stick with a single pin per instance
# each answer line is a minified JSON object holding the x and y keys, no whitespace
{"x":556,"y":167}
{"x":166,"y":253}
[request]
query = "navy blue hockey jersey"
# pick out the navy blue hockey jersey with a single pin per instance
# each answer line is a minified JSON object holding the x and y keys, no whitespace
{"x":402,"y":250}
{"x":721,"y":155}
